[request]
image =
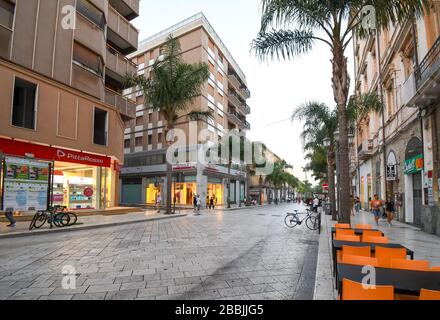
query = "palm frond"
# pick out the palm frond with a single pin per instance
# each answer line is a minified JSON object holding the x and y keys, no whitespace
{"x":285,"y":44}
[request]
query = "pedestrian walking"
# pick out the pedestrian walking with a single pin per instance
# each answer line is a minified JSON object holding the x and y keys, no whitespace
{"x":198,"y":203}
{"x":211,"y":203}
{"x":357,"y":205}
{"x":390,"y":209}
{"x":376,"y":205}
{"x":195,"y":203}
{"x":158,"y":202}
{"x":9,"y":214}
{"x":315,"y":204}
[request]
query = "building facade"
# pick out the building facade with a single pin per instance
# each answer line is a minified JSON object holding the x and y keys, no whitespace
{"x":395,"y":154}
{"x":225,"y":94}
{"x":63,"y":114}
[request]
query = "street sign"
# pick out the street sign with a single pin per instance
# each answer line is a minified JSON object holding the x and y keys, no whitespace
{"x":391,"y":172}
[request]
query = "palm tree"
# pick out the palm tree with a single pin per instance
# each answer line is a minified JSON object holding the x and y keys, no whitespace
{"x":320,"y":124}
{"x":332,"y":23}
{"x":171,"y":89}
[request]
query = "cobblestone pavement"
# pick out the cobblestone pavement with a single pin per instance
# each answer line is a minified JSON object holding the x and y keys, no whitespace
{"x":242,"y":254}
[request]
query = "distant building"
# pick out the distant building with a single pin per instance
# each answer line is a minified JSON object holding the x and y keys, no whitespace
{"x":225,"y":94}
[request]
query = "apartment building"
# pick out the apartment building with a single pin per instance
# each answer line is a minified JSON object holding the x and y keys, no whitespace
{"x":62,"y":64}
{"x":225,"y":94}
{"x":261,"y":190}
{"x":395,"y":154}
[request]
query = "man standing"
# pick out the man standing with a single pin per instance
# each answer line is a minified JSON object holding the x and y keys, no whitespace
{"x":390,"y":210}
{"x":376,"y":205}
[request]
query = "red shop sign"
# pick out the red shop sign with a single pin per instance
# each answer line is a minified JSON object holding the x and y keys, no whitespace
{"x":88,"y":192}
{"x":24,"y":149}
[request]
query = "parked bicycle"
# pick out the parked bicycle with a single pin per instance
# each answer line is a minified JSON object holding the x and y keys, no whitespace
{"x":57,"y":215}
{"x":311,"y":220}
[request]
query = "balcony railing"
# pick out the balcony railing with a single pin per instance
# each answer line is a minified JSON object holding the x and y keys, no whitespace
{"x":234,"y":80}
{"x":235,"y":99}
{"x":121,"y":32}
{"x":365,"y":150}
{"x":408,"y":90}
{"x":119,"y":65}
{"x":429,"y":65}
{"x":126,"y":107}
{"x":244,"y":91}
{"x":128,"y":8}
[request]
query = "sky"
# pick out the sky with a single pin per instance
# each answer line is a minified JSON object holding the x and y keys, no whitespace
{"x":277,"y":87}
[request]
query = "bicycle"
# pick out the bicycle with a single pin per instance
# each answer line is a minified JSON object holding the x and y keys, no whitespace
{"x":54,"y":216}
{"x":311,"y":220}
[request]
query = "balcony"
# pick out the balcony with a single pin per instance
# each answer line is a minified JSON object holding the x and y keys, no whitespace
{"x":90,"y":35}
{"x":408,"y":89}
{"x":87,"y":81}
{"x":365,"y":150}
{"x":244,"y":91}
{"x":235,"y":99}
{"x":429,"y":66}
{"x":129,"y":9}
{"x":120,"y":33}
{"x":238,"y":119}
{"x":233,"y":79}
{"x":126,"y":107}
{"x":118,"y":66}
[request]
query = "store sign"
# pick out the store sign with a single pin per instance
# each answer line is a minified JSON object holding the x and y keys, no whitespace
{"x":23,"y":149}
{"x":88,"y":192}
{"x":26,"y":184}
{"x":391,"y":172}
{"x":414,"y":164}
{"x":184,"y":166}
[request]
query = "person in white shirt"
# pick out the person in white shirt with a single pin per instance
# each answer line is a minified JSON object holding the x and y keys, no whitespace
{"x":158,"y":202}
{"x":315,"y":204}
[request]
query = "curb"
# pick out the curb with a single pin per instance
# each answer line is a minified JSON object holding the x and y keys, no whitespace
{"x":324,"y":282}
{"x":99,"y":226}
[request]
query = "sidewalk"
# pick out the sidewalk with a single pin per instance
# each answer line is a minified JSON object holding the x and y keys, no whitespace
{"x":87,"y":222}
{"x":425,"y":246}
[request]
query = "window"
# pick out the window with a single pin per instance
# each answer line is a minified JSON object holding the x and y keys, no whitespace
{"x":150,"y":118}
{"x":92,"y":13}
{"x":7,"y":13}
{"x":127,"y":144}
{"x":138,"y":142}
{"x":150,"y":139}
{"x":24,"y":106}
{"x":100,"y":127}
{"x":139,"y":121}
{"x":159,"y":138}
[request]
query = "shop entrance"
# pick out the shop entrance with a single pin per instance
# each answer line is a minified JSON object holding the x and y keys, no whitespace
{"x":417,"y":198}
{"x":184,"y":193}
{"x":216,"y":191}
{"x":414,"y":165}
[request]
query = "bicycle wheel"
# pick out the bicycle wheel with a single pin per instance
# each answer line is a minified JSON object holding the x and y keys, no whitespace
{"x":57,"y":220}
{"x":290,"y":221}
{"x":312,"y":223}
{"x":73,"y":218}
{"x":34,"y":219}
{"x":41,"y":220}
{"x":64,"y":219}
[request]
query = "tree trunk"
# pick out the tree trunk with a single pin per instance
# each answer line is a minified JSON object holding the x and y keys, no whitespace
{"x":331,"y":182}
{"x":341,"y":85}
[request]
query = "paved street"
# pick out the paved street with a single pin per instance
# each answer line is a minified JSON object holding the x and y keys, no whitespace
{"x":242,"y":254}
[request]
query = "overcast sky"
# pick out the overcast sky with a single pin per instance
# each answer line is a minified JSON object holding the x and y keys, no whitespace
{"x":276,"y":87}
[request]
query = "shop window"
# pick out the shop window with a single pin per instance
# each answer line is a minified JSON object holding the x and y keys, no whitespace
{"x":24,"y":105}
{"x":100,"y":127}
{"x":87,"y":59}
{"x":7,"y":13}
{"x":138,"y":142}
{"x":92,"y":13}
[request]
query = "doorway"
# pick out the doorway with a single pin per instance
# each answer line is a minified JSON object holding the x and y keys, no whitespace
{"x":417,"y":198}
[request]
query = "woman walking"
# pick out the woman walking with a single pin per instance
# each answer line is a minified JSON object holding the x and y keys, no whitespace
{"x":391,"y":210}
